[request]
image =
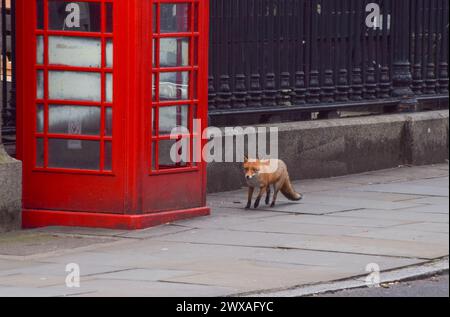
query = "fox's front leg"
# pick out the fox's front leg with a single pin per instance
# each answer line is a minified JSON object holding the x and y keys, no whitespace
{"x":262,"y":190}
{"x":251,"y":190}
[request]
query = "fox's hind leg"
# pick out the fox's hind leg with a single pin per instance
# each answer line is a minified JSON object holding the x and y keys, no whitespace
{"x":276,"y":189}
{"x":268,"y":195}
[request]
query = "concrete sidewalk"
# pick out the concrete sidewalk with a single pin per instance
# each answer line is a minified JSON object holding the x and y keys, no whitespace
{"x":393,"y":218}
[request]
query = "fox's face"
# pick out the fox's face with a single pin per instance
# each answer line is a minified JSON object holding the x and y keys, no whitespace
{"x":251,"y":169}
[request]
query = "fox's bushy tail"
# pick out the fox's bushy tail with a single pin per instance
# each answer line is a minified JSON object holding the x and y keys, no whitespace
{"x":289,"y":191}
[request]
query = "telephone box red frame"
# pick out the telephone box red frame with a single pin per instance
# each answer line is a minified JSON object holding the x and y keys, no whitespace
{"x":137,"y":192}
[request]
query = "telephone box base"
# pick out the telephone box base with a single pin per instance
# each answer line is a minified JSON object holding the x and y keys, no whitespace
{"x":47,"y":218}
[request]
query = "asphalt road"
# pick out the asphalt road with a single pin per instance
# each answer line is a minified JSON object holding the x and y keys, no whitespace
{"x":436,"y":286}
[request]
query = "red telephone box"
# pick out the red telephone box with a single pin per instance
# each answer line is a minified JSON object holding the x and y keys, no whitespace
{"x":100,"y":86}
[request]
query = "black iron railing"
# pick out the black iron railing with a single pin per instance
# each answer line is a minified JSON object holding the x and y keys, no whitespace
{"x":270,"y":56}
{"x":7,"y":89}
{"x":313,"y":55}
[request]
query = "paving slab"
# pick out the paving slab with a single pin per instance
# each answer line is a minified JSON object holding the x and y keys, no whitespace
{"x":406,"y":188}
{"x":288,"y":227}
{"x":308,"y":208}
{"x":404,"y":234}
{"x":329,"y":199}
{"x":121,"y":288}
{"x":60,"y":291}
{"x":336,"y":220}
{"x":25,"y":243}
{"x":415,"y":172}
{"x":402,"y":215}
{"x":426,"y":226}
{"x":427,"y":208}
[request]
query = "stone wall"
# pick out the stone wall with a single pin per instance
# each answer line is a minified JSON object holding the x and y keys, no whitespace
{"x":328,"y":148}
{"x":10,"y":190}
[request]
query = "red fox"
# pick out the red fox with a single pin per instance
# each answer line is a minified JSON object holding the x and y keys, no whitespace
{"x":261,"y":174}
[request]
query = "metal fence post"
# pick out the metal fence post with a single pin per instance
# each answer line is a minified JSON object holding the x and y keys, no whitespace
{"x":402,"y":77}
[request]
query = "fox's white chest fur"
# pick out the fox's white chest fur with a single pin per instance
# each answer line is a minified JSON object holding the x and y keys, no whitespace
{"x":254,"y":182}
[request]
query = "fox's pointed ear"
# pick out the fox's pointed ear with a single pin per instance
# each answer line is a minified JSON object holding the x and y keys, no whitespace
{"x":245,"y":159}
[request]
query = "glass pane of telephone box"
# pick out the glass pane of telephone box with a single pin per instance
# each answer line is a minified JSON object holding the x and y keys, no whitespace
{"x":173,"y":86}
{"x":40,"y":50}
{"x":109,"y":121}
{"x":173,"y":117}
{"x":75,"y":51}
{"x":75,"y":120}
{"x":174,"y":17}
{"x":39,"y":152}
{"x":109,"y":87}
{"x":82,"y":86}
{"x":174,"y":52}
{"x":109,"y":53}
{"x":173,"y":153}
{"x":108,"y":156}
{"x":40,"y":14}
{"x":74,"y":16}
{"x":74,"y":154}
{"x":40,"y":118}
{"x":40,"y":84}
{"x":109,"y":18}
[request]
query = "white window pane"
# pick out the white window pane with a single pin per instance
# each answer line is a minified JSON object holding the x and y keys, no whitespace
{"x":109,"y":122}
{"x":174,"y":17}
{"x":109,"y":53}
{"x":174,"y":52}
{"x":75,"y":51}
{"x":74,"y":16}
{"x":40,"y":50}
{"x":76,"y":154}
{"x":40,"y":85}
{"x":173,"y":117}
{"x":74,"y":86}
{"x":108,"y":156}
{"x":39,"y":152}
{"x":109,"y":87}
{"x":75,"y":120}
{"x":40,"y":118}
{"x":173,"y":86}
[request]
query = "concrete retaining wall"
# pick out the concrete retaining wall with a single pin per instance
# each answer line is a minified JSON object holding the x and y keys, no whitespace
{"x":10,"y":192}
{"x":328,"y":148}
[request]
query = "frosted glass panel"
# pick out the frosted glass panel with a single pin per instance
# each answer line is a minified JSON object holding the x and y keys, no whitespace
{"x":40,"y":85}
{"x":109,"y":87}
{"x":109,"y":122}
{"x":173,"y":86}
{"x":109,"y":53}
{"x":174,"y":18}
{"x":75,"y":51}
{"x":108,"y":156}
{"x":76,"y":120}
{"x":40,"y":14}
{"x":172,"y":117}
{"x":39,"y":152}
{"x":40,"y":50}
{"x":174,"y":52}
{"x":74,"y":154}
{"x":181,"y":150}
{"x":40,"y":118}
{"x":74,"y":16}
{"x":109,"y":17}
{"x":74,"y":86}
{"x":154,"y":87}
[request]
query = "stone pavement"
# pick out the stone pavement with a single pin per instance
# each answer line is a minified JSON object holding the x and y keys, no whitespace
{"x":394,"y":218}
